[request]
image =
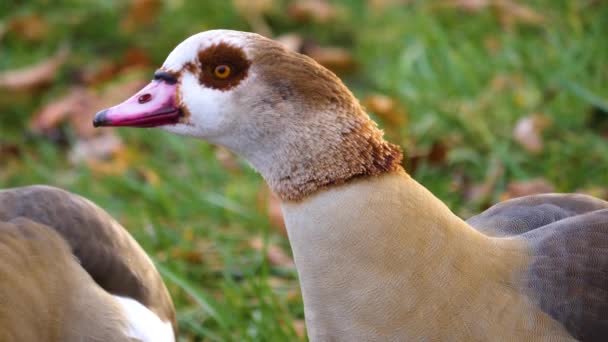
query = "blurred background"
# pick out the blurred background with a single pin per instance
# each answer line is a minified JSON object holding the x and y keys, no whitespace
{"x":490,"y":99}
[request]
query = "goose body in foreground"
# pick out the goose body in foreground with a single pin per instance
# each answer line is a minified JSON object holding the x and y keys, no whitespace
{"x":69,"y":272}
{"x":379,"y":257}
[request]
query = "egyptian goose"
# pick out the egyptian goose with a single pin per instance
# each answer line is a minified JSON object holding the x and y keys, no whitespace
{"x":69,"y":272}
{"x":379,"y":257}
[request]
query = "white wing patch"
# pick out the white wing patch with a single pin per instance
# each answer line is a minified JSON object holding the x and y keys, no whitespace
{"x":144,"y":325}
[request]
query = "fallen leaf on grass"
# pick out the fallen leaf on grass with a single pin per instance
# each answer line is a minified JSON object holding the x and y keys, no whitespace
{"x":149,"y":176}
{"x":387,"y":108}
{"x":140,"y":13}
{"x":78,"y":100}
{"x":300,"y":327}
{"x":595,"y":191}
{"x":528,"y":132}
{"x":480,"y":193}
{"x":319,"y":11}
{"x":135,"y":57}
{"x":597,"y":121}
{"x":32,"y":27}
{"x":336,"y":59}
{"x":253,"y":6}
{"x":253,"y":11}
{"x":379,"y":6}
{"x":34,"y":76}
{"x":96,"y":72}
{"x":102,"y":70}
{"x":95,"y":148}
{"x":227,"y":159}
{"x":511,"y":12}
{"x":292,"y":41}
{"x":78,"y":106}
{"x":275,"y":213}
{"x":508,"y":12}
{"x":189,"y":255}
{"x":275,"y":254}
{"x":116,"y":163}
{"x":3,"y":30}
{"x":268,"y":202}
{"x":9,"y":151}
{"x":528,"y":187}
{"x":436,"y":154}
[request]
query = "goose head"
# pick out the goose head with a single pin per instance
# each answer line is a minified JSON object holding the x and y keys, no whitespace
{"x":291,"y":118}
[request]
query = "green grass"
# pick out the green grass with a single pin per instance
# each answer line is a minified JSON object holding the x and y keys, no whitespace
{"x":439,"y":62}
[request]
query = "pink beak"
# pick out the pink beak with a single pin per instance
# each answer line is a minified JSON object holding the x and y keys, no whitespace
{"x":154,"y":105}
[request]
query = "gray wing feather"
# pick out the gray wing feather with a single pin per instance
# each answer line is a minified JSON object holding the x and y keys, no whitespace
{"x":568,"y":274}
{"x":520,"y":215}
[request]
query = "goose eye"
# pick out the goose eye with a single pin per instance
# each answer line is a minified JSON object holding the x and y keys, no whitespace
{"x":222,"y":71}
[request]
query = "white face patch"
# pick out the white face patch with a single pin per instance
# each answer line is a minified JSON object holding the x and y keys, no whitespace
{"x":144,"y":325}
{"x":206,"y":107}
{"x":213,"y":113}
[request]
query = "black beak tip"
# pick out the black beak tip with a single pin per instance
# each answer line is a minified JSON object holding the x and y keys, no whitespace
{"x":100,"y":118}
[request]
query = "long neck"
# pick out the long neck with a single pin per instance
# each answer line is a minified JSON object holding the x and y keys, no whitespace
{"x":382,"y":259}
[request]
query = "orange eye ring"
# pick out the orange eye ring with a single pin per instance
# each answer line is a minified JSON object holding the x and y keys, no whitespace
{"x":222,"y":71}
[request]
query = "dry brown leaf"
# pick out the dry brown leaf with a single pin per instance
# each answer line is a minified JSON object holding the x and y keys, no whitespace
{"x":135,"y":57}
{"x":300,"y":327}
{"x":291,"y":41}
{"x":100,"y":70}
{"x":3,"y":30}
{"x":245,"y":7}
{"x":227,"y":159}
{"x":492,"y":45}
{"x":253,"y":11}
{"x":469,"y":5}
{"x":77,"y":100}
{"x":528,"y":132}
{"x":97,"y":71}
{"x":269,"y":203}
{"x":436,"y":154}
{"x":140,"y":13}
{"x":525,"y":188}
{"x":115,"y":165}
{"x":275,"y":254}
{"x":32,"y":27}
{"x":9,"y":151}
{"x":96,"y":148}
{"x":387,"y":108}
{"x":336,"y":59}
{"x":149,"y":176}
{"x":480,"y":193}
{"x":189,"y":255}
{"x":133,"y":79}
{"x":34,"y":76}
{"x":379,"y":6}
{"x":319,"y":11}
{"x":595,"y":191}
{"x":79,"y":105}
{"x":508,"y":12}
{"x":275,"y":213}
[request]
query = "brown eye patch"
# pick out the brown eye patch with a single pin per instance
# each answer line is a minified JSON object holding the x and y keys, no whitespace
{"x":214,"y":61}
